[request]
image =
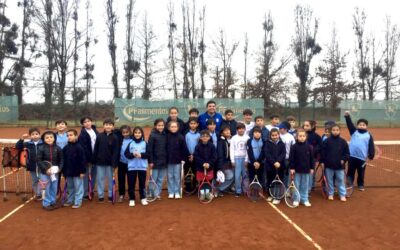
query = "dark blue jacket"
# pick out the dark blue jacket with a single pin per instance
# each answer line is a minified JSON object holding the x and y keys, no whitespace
{"x":274,"y":152}
{"x":32,"y":152}
{"x":334,"y":150}
{"x":250,"y":152}
{"x":301,"y":158}
{"x":315,"y":141}
{"x":182,"y":126}
{"x":51,"y":153}
{"x":205,"y":153}
{"x":223,"y":154}
{"x":86,"y":143}
{"x":74,"y":160}
{"x":106,"y":150}
{"x":264,"y":133}
{"x":176,"y":148}
{"x":232,"y":124}
{"x":157,"y":149}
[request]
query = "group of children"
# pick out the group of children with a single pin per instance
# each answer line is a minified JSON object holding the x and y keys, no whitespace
{"x":220,"y":147}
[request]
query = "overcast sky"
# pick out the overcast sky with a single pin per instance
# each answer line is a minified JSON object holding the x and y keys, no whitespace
{"x":236,"y":17}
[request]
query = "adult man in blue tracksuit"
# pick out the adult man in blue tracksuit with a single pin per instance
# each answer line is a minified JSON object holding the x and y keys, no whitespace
{"x":210,"y":113}
{"x":361,"y":148}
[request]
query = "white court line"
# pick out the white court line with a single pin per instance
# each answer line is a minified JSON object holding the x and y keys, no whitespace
{"x":301,"y":231}
{"x":1,"y":177}
{"x":15,"y":210}
{"x":388,"y":170}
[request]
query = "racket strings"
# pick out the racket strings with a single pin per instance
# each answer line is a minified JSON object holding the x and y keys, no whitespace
{"x":277,"y":190}
{"x":292,"y":196}
{"x":255,"y":191}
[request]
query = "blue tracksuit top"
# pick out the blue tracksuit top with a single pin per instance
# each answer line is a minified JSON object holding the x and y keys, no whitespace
{"x":257,"y":146}
{"x":192,"y":139}
{"x":203,"y":118}
{"x":359,"y":145}
{"x":137,"y":163}
{"x":125,"y":143}
{"x":62,"y":140}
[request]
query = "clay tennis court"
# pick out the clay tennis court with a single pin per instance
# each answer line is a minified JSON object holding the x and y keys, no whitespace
{"x":367,"y":221}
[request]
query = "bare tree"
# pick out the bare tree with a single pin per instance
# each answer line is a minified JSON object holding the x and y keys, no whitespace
{"x":192,"y":41}
{"x":224,"y":53}
{"x":333,"y":86}
{"x":305,"y":47}
{"x":111,"y":23}
{"x":171,"y":46}
{"x":391,"y":45}
{"x":147,"y":39}
{"x":202,"y":48}
{"x":374,"y":70}
{"x":89,"y":41}
{"x":361,"y":49}
{"x":245,"y":53}
{"x":185,"y":54}
{"x":131,"y":66}
{"x":271,"y":78}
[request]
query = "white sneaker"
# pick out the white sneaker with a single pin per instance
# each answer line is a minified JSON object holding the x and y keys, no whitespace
{"x":121,"y":199}
{"x":178,"y":196}
{"x":269,"y":199}
{"x":276,"y":202}
{"x":170,"y":196}
{"x":307,"y":204}
{"x":295,"y":203}
{"x":131,"y":203}
{"x":144,"y":202}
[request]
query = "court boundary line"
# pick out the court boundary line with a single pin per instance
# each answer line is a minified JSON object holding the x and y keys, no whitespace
{"x":15,"y":210}
{"x":5,"y":175}
{"x":297,"y":227}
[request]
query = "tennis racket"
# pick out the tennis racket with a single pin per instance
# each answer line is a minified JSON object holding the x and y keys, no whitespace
{"x":189,"y":183}
{"x":23,"y":160}
{"x":152,"y":189}
{"x":206,"y":190}
{"x":90,"y":184}
{"x":347,"y":182}
{"x":114,"y":191}
{"x":318,"y":173}
{"x":255,"y":190}
{"x":64,"y":193}
{"x":181,"y":190}
{"x":277,"y":189}
{"x":45,"y":165}
{"x":378,"y":154}
{"x":324,"y":185}
{"x":292,"y":194}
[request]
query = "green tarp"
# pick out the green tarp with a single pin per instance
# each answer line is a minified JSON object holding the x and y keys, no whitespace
{"x":8,"y":109}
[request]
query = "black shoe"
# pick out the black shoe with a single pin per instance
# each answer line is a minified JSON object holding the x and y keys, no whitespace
{"x":49,"y":208}
{"x":86,"y":198}
{"x":110,"y":199}
{"x":101,"y":200}
{"x":237,"y":195}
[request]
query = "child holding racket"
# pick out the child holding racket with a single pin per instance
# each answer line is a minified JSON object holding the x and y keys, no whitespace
{"x":49,"y":152}
{"x":177,"y":153}
{"x":136,"y":153}
{"x":334,"y":153}
{"x":275,"y":152}
{"x":32,"y":147}
{"x":123,"y":161}
{"x":106,"y":153}
{"x":361,"y":147}
{"x":302,"y":166}
{"x":205,"y":157}
{"x":157,"y":151}
{"x":255,"y":155}
{"x":238,"y":152}
{"x":74,"y":169}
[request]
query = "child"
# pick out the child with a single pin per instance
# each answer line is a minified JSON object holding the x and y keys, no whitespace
{"x":74,"y":169}
{"x":49,"y":151}
{"x":361,"y":147}
{"x":176,"y":151}
{"x":192,"y":139}
{"x":302,"y":165}
{"x":315,"y":141}
{"x":137,"y":156}
{"x":259,"y":120}
{"x":212,"y":126}
{"x":157,"y":151}
{"x":123,"y":160}
{"x":62,"y":141}
{"x":238,"y":152}
{"x":292,"y":121}
{"x":275,"y":153}
{"x":255,"y":155}
{"x":205,"y":157}
{"x":106,"y":152}
{"x":32,"y":148}
{"x":334,"y":153}
{"x":87,"y":138}
{"x":327,"y":127}
{"x":173,"y":116}
{"x":247,"y":120}
{"x":288,"y":140}
{"x":224,"y":160}
{"x":229,"y":121}
{"x":193,"y":112}
{"x":274,"y":122}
